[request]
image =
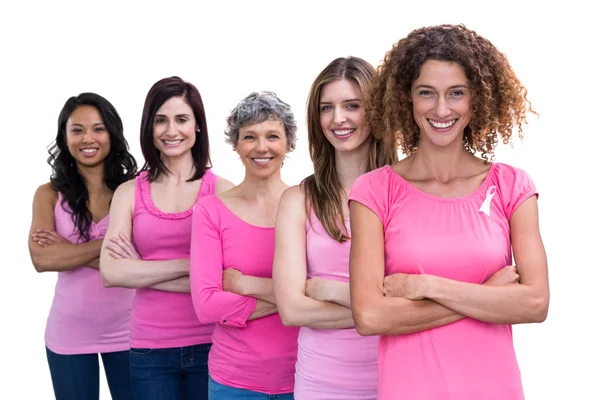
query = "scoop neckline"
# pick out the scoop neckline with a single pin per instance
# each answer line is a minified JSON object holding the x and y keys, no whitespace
{"x":149,"y":202}
{"x":481,"y":189}
{"x":222,"y":204}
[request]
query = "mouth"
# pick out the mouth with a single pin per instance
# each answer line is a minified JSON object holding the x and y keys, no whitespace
{"x":442,"y":125}
{"x":343,"y":133}
{"x":172,"y":143}
{"x":262,"y":160}
{"x":89,"y":151}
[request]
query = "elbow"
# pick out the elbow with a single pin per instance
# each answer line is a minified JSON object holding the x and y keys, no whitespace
{"x":107,"y":276}
{"x":365,"y":320}
{"x":540,"y":309}
{"x":41,"y":264}
{"x":288,"y":316}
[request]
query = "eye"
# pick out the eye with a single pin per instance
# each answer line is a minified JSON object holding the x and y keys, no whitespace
{"x":326,"y":108}
{"x":77,"y":131}
{"x":457,"y":93}
{"x":99,"y":129}
{"x":248,"y":137}
{"x":425,"y":93}
{"x":160,"y":120}
{"x":182,"y":120}
{"x":353,"y":106}
{"x":273,"y":136}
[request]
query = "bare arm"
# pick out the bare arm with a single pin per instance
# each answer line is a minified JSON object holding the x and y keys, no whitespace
{"x":289,"y":271}
{"x":179,"y":285}
{"x":127,"y":272}
{"x":60,"y":256}
{"x":510,"y":304}
{"x":262,"y":309}
{"x":374,"y":313}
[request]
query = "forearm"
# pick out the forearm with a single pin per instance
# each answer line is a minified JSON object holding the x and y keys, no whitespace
{"x":179,"y":285}
{"x":508,"y":304}
{"x":65,"y":256}
{"x":262,"y":309}
{"x":339,"y":293}
{"x":306,"y":311}
{"x":259,"y":288}
{"x":137,"y":274}
{"x":399,"y":316}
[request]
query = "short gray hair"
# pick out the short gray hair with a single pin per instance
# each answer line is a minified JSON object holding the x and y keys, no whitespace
{"x":259,"y":107}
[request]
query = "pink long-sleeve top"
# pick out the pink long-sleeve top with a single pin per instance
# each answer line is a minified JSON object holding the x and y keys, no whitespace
{"x":257,"y":355}
{"x":161,"y":319}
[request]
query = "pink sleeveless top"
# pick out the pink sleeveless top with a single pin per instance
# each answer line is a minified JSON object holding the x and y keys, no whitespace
{"x":333,"y":363}
{"x":86,"y":317}
{"x":162,"y":319}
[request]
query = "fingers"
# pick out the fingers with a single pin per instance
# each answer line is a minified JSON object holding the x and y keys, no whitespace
{"x":44,"y":238}
{"x":116,"y":246}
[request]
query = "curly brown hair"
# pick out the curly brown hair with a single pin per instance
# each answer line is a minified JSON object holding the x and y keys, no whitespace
{"x":499,"y":103}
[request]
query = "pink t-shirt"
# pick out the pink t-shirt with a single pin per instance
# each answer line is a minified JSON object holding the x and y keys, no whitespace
{"x":333,"y":364}
{"x":257,"y":355}
{"x":161,"y":319}
{"x":465,"y":239}
{"x":86,"y":317}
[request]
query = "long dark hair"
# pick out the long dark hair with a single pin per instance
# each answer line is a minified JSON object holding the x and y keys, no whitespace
{"x":119,"y":165}
{"x":158,"y":94}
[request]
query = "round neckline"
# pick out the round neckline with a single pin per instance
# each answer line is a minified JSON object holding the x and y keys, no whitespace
{"x":237,"y":217}
{"x":482,"y":188}
{"x":149,"y":202}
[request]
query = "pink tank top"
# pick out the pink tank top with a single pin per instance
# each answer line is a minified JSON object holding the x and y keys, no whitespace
{"x":86,"y":317}
{"x":337,"y":359}
{"x":162,"y":319}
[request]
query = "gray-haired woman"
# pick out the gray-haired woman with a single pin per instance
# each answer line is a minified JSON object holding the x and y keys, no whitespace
{"x":233,"y":241}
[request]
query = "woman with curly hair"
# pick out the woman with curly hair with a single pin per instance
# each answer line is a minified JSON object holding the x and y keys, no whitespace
{"x":433,"y":235}
{"x":89,"y":160}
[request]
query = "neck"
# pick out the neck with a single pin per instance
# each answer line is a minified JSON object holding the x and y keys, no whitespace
{"x":350,"y":165}
{"x":441,"y":163}
{"x":94,"y":177}
{"x":181,"y":168}
{"x":262,"y":189}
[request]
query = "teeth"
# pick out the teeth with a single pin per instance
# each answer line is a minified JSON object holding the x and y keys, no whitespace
{"x":89,"y":151}
{"x":343,"y":132}
{"x":172,"y":142}
{"x":262,"y":160}
{"x":442,"y":125}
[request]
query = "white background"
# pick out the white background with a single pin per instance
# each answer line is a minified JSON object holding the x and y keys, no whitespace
{"x":52,"y":50}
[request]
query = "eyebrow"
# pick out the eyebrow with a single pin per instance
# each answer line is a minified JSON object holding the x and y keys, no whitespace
{"x":451,"y":87}
{"x":94,"y":124}
{"x":344,"y":101}
{"x":178,"y":115}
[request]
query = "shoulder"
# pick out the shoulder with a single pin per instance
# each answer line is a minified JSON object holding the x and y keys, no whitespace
{"x":514,"y":185}
{"x":222,"y":184}
{"x":45,"y":194}
{"x":376,"y":181}
{"x":294,"y":195}
{"x":125,"y":191}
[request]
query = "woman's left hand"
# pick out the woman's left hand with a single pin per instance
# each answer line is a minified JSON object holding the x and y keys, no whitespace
{"x":120,"y":247}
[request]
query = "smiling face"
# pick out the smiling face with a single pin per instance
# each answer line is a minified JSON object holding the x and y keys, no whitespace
{"x":441,"y":98}
{"x":342,"y":115}
{"x":174,"y":128}
{"x":88,"y":139}
{"x":262,"y":147}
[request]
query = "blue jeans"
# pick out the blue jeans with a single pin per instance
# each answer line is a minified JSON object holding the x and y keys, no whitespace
{"x":216,"y":391}
{"x":77,"y":376}
{"x":170,"y":374}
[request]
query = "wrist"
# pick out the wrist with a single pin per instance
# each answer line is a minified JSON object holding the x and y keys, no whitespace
{"x":428,"y":286}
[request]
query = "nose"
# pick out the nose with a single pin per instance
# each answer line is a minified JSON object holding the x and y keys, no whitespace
{"x":87,"y":136}
{"x":339,"y":117}
{"x":261,"y":145}
{"x":171,"y":130}
{"x":441,"y":107}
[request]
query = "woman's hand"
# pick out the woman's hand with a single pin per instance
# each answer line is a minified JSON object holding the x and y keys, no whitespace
{"x":47,"y":237}
{"x":120,"y":247}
